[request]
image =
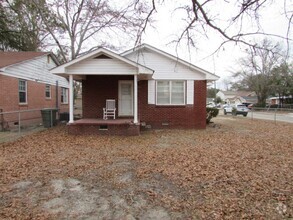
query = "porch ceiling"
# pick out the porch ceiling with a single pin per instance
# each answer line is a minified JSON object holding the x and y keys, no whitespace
{"x":80,"y":77}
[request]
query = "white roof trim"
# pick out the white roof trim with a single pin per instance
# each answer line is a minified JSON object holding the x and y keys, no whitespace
{"x":62,"y":69}
{"x":209,"y":76}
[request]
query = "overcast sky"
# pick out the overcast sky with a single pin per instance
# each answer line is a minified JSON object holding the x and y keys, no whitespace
{"x":169,"y":23}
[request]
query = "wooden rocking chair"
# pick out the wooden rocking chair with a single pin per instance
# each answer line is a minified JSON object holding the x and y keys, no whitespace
{"x":110,"y":109}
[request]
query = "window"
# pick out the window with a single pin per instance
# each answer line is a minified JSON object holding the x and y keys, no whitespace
{"x":48,"y":92}
{"x":64,"y":95}
{"x":170,"y":92}
{"x":22,"y":90}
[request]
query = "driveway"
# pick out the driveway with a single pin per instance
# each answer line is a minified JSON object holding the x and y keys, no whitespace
{"x":234,"y":169}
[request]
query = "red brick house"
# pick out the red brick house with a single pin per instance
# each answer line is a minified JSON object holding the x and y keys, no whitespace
{"x":151,"y":88}
{"x":26,"y":84}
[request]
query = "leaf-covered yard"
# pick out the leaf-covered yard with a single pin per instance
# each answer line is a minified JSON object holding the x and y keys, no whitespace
{"x":236,"y":168}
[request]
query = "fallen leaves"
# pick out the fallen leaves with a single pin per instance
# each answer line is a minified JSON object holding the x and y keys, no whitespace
{"x":239,"y":169}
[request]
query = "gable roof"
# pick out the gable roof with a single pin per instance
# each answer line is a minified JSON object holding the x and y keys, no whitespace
{"x":61,"y":70}
{"x":209,"y":75}
{"x":11,"y":58}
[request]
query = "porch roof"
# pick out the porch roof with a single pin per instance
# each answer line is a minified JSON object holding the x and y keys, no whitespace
{"x":102,"y":62}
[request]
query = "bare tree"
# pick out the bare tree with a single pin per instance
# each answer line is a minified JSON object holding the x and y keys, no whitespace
{"x":78,"y":26}
{"x":202,"y":17}
{"x":256,"y":68}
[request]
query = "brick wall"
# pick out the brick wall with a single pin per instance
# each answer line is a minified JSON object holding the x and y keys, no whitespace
{"x":96,"y":89}
{"x":188,"y":116}
{"x":118,"y":129}
{"x":9,"y":100}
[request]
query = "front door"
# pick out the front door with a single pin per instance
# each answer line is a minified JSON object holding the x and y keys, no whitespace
{"x":125,"y":102}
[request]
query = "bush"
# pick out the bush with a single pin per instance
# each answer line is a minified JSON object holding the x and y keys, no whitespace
{"x":211,"y":113}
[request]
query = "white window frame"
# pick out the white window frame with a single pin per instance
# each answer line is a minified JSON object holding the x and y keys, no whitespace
{"x":20,"y":90}
{"x":48,"y":86}
{"x":64,"y":93}
{"x":170,"y":92}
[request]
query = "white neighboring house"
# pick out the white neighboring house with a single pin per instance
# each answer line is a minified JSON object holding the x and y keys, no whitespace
{"x":237,"y":97}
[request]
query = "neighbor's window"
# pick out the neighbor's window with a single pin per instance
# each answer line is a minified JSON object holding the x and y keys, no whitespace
{"x":170,"y":92}
{"x":48,"y":91}
{"x":22,"y":90}
{"x":64,"y":95}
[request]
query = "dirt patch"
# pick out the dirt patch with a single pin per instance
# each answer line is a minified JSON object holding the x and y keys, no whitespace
{"x":233,"y":169}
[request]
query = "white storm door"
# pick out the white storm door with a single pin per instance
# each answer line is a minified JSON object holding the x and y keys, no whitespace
{"x":125,"y":103}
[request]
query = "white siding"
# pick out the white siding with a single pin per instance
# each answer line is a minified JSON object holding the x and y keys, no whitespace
{"x":221,"y":95}
{"x":190,"y":92}
{"x":101,"y":66}
{"x":36,"y":70}
{"x":151,"y":91}
{"x":164,"y":67}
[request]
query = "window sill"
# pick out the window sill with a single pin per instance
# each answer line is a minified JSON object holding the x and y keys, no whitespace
{"x":171,"y":106}
{"x":64,"y":103}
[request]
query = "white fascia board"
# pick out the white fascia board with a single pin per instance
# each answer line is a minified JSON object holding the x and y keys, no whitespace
{"x":64,"y":84}
{"x":209,"y":75}
{"x":145,"y":70}
{"x":62,"y":68}
{"x":212,"y":77}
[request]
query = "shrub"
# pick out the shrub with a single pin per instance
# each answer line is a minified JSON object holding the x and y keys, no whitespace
{"x":211,"y":113}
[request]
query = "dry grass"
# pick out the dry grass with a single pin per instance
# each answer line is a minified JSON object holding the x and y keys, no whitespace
{"x":236,"y":168}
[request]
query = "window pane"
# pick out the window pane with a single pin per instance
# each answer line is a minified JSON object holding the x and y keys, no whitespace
{"x":22,"y":97}
{"x":48,"y":91}
{"x":21,"y":86}
{"x":64,"y":93}
{"x":177,"y":96}
{"x":163,"y":92}
{"x":22,"y":91}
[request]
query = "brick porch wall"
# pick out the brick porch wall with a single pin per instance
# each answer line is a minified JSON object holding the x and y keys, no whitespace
{"x":36,"y":99}
{"x":188,"y":116}
{"x":121,"y":130}
{"x":95,"y":91}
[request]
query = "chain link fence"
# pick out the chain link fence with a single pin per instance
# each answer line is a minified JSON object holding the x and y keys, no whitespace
{"x":14,"y":124}
{"x":273,"y":114}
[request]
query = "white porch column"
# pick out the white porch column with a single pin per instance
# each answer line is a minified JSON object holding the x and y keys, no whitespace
{"x":71,"y":92}
{"x":135,"y":120}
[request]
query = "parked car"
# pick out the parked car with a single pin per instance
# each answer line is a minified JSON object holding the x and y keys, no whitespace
{"x":211,"y":105}
{"x":228,"y":109}
{"x":239,"y":110}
